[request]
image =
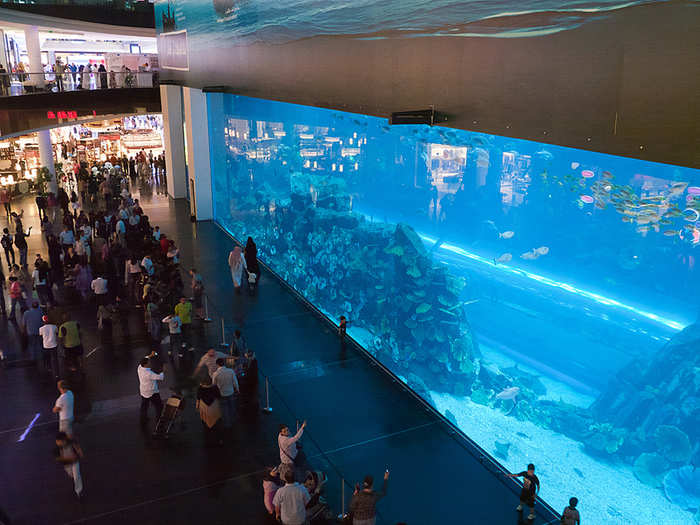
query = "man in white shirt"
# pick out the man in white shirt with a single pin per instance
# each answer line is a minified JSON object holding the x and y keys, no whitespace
{"x":148,"y":388}
{"x":226,"y":380}
{"x":290,"y":501}
{"x":49,"y":341}
{"x":64,"y":408}
{"x":209,"y":360}
{"x":99,"y":288}
{"x":288,"y":445}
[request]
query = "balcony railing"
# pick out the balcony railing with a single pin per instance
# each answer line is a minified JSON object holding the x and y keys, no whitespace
{"x":13,"y":84}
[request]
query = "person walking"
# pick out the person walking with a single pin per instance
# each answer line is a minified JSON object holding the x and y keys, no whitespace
{"x":68,"y":454}
{"x":531,"y":486}
{"x":64,"y":408}
{"x":288,"y":445}
{"x":6,"y":243}
{"x":40,"y":277}
{"x":32,"y":321}
{"x":251,"y":260}
{"x":148,"y":388}
{"x":49,"y":343}
{"x":570,"y":516}
{"x":363,"y":505}
{"x":227,"y":382}
{"x":236,"y":262}
{"x":290,"y":501}
{"x":3,"y":308}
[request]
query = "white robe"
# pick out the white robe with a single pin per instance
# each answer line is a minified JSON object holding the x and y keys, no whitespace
{"x":236,"y":268}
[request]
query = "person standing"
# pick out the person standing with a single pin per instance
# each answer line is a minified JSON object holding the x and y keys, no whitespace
{"x":175,"y":331}
{"x":6,"y":243}
{"x":99,"y":288}
{"x":208,"y":360}
{"x":209,"y":408}
{"x":363,"y":505}
{"x":6,"y":200}
{"x":148,"y":388}
{"x":225,"y":378}
{"x":64,"y":408}
{"x":236,"y":262}
{"x":290,"y":501}
{"x":21,"y":243}
{"x":184,"y":311}
{"x":69,"y":332}
{"x":40,"y":276}
{"x":15,"y":297}
{"x":531,"y":486}
{"x":570,"y":516}
{"x":32,"y":321}
{"x":288,"y":444}
{"x":49,"y":342}
{"x":3,"y":308}
{"x":68,"y":454}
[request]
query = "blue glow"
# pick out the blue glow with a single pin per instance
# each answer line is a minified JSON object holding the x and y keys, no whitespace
{"x":28,"y":429}
{"x":475,"y":264}
{"x":607,"y":301}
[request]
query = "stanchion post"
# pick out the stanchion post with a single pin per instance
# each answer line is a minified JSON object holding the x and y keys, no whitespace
{"x":223,"y":344}
{"x":342,"y":514}
{"x":267,"y":408}
{"x":206,"y":319}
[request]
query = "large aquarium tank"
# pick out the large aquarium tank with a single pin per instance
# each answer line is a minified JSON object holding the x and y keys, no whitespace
{"x":544,"y":299}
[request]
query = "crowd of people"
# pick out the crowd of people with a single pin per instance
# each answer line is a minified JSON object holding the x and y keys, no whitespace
{"x":108,"y":255}
{"x":60,"y":76}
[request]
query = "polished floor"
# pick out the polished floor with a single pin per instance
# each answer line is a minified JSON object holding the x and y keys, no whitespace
{"x":359,"y":421}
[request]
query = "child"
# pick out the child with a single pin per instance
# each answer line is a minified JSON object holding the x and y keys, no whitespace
{"x":531,"y":486}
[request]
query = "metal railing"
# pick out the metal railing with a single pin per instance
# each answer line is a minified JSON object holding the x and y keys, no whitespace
{"x":21,"y":83}
{"x":218,"y":332}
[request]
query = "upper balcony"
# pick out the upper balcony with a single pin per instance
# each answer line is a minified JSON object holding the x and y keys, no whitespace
{"x":28,"y":83}
{"x":115,"y":12}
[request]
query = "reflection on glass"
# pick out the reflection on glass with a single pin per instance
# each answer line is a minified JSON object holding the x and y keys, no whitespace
{"x":543,"y":298}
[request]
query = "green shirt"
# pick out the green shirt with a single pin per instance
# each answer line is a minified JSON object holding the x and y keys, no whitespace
{"x":70,"y":334}
{"x":184,"y":312}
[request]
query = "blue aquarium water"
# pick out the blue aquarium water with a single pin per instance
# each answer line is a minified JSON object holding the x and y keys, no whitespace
{"x":544,"y":299}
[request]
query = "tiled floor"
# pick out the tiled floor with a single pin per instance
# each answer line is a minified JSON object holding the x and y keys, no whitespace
{"x":359,"y":422}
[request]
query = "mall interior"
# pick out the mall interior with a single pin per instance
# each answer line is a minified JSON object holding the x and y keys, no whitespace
{"x":229,"y":226}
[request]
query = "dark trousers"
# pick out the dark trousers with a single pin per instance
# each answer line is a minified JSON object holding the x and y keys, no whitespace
{"x":23,"y":256}
{"x":9,"y":254}
{"x":8,"y":208}
{"x":50,"y":360}
{"x":157,"y":405}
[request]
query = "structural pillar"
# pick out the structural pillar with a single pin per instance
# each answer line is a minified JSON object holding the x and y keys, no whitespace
{"x":173,"y":140}
{"x":46,"y":157}
{"x":198,"y":164}
{"x":31,"y":37}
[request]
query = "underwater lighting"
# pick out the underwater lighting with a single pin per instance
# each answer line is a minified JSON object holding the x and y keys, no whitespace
{"x":601,"y":299}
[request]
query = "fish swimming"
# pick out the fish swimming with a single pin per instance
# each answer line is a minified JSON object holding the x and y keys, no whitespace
{"x":530,"y":256}
{"x":542,"y":250}
{"x":506,"y":235}
{"x":671,"y":233}
{"x":506,"y":257}
{"x":508,"y":393}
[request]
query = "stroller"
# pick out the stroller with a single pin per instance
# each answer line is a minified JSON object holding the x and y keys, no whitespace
{"x":171,"y":410}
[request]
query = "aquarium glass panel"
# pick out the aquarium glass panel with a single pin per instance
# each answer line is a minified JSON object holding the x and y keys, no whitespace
{"x":542,"y":298}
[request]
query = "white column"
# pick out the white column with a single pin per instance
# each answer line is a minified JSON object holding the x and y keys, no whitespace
{"x":173,"y":140}
{"x":46,"y":156}
{"x":31,"y":38}
{"x":198,"y":166}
